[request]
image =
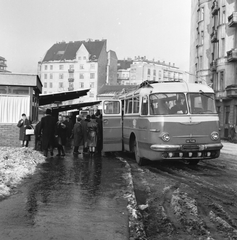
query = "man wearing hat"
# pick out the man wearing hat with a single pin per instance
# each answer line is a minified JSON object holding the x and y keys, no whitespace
{"x":77,"y":135}
{"x":47,"y":128}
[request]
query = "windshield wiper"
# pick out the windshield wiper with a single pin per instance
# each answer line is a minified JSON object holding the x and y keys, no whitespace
{"x":206,"y":95}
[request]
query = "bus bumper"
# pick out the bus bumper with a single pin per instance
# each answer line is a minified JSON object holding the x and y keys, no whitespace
{"x":186,"y":148}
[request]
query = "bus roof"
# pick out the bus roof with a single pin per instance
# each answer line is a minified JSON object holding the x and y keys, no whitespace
{"x":181,"y":87}
{"x":166,"y":87}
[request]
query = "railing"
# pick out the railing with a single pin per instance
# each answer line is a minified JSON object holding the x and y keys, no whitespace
{"x":70,"y":79}
{"x":232,"y":20}
{"x":232,"y":55}
{"x":71,"y":70}
{"x":70,"y":88}
{"x":215,"y":8}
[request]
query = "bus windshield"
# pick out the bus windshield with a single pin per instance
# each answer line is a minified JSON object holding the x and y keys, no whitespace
{"x":201,"y":103}
{"x":168,"y":103}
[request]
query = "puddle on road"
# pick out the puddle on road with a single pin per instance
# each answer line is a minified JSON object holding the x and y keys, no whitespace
{"x":77,"y":193}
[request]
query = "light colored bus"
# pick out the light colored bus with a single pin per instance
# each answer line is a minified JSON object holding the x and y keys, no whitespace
{"x":168,"y":120}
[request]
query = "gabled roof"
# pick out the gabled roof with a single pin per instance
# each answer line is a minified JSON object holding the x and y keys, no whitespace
{"x":67,"y":51}
{"x":124,"y":64}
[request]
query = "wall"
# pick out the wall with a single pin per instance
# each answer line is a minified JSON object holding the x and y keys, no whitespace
{"x":102,"y":67}
{"x":9,"y":136}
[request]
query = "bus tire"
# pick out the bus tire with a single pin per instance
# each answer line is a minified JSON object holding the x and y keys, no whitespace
{"x":140,"y":161}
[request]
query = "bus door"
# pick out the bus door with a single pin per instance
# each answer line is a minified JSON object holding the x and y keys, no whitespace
{"x":112,"y":125}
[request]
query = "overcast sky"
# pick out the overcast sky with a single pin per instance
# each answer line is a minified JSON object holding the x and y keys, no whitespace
{"x":158,"y":29}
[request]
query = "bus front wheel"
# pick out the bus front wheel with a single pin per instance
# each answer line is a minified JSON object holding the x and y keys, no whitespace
{"x":140,"y":161}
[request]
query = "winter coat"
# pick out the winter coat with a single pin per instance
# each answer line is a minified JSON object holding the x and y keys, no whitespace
{"x":47,"y":128}
{"x":84,"y":125}
{"x":61,"y":132}
{"x":23,"y":125}
{"x":77,"y":134}
{"x":92,"y":133}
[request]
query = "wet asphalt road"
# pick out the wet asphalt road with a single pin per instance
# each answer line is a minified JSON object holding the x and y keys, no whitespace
{"x":68,"y":198}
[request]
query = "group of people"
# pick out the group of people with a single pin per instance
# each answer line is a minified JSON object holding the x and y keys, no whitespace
{"x":49,"y":133}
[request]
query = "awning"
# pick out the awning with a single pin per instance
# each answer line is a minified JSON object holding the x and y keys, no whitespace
{"x":45,"y":99}
{"x":63,"y":108}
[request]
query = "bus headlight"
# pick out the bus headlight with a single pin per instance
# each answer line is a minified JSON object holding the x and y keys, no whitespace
{"x":165,"y":137}
{"x":214,"y":136}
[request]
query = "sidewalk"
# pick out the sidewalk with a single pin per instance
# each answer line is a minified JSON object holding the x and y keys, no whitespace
{"x":229,"y":148}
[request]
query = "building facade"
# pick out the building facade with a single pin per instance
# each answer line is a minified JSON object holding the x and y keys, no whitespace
{"x":143,"y":69}
{"x":77,"y":65}
{"x":213,"y":56}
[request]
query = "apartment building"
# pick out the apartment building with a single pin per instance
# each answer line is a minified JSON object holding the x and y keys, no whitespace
{"x":213,"y":56}
{"x":143,"y":69}
{"x":78,"y":65}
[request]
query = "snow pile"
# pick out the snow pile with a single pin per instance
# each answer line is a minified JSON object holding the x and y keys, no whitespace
{"x":15,"y":164}
{"x":136,"y":227}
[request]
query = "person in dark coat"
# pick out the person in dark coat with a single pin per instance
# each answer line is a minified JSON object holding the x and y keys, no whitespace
{"x":92,"y":134}
{"x":84,"y":133}
{"x":38,"y":140}
{"x":24,"y":124}
{"x":77,"y":135}
{"x":99,"y":145}
{"x":47,"y":128}
{"x":61,"y":135}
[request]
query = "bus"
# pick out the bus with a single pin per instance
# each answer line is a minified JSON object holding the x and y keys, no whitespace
{"x":162,"y":121}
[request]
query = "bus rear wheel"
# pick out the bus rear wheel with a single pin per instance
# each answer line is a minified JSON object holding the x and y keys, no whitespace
{"x":140,"y":161}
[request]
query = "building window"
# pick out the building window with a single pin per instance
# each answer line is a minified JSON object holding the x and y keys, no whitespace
{"x":223,"y":47}
{"x":45,"y":67}
{"x":91,"y":94}
{"x":227,"y":114}
{"x":51,"y":76}
{"x":60,"y":67}
{"x":222,"y":83}
{"x":51,"y":67}
{"x":79,"y":58}
{"x":60,"y":84}
{"x":51,"y":85}
{"x":202,"y":14}
{"x":202,"y":38}
{"x":92,"y":75}
{"x":71,"y":75}
{"x":92,"y":85}
{"x":200,"y":62}
{"x":45,"y":76}
{"x":223,"y":15}
{"x":71,"y":66}
{"x":81,"y":76}
{"x":92,"y":66}
{"x":81,"y":66}
{"x":84,"y":57}
{"x":81,"y":85}
{"x":45,"y":92}
{"x":61,"y":76}
{"x":45,"y":85}
{"x":154,"y":72}
{"x":148,"y":71}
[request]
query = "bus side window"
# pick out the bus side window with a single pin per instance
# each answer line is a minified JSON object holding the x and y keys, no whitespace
{"x":144,"y":106}
{"x":128,"y":106}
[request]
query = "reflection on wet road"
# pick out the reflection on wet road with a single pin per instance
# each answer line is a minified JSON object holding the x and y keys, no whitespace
{"x":68,"y":198}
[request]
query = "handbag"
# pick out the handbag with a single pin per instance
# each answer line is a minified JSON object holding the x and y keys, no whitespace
{"x":30,"y":131}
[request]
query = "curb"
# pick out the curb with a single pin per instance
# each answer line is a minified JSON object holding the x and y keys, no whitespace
{"x":136,"y":226}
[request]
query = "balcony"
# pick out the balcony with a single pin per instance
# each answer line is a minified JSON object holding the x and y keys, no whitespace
{"x":71,"y":70}
{"x":214,"y":8}
{"x":232,"y":55}
{"x":70,"y":79}
{"x":213,"y":65}
{"x":231,"y":91}
{"x":70,"y":88}
{"x":214,"y":36}
{"x":232,"y":20}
